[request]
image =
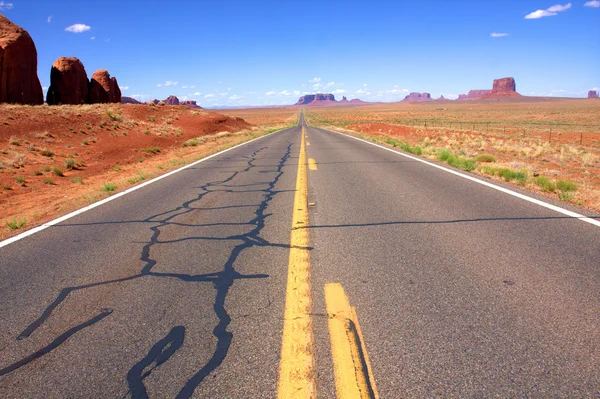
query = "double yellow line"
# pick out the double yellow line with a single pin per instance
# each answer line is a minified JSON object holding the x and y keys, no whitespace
{"x":297,"y":378}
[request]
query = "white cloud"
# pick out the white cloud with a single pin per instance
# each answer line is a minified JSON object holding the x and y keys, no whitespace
{"x":136,"y":95}
{"x":296,"y":92}
{"x":330,"y":84}
{"x":549,"y":12}
{"x":107,"y":40}
{"x":365,"y":85}
{"x":124,"y":88}
{"x":188,"y":87}
{"x":270,"y":93}
{"x":317,"y":86}
{"x":50,"y":19}
{"x":209,"y":96}
{"x":6,"y":6}
{"x":494,"y":34}
{"x":167,"y":83}
{"x":196,"y":93}
{"x":593,"y":3}
{"x":44,"y":88}
{"x":339,"y":91}
{"x":284,"y":93}
{"x":93,"y":38}
{"x":361,"y":91}
{"x":78,"y":28}
{"x":315,"y":80}
{"x":236,"y":97}
{"x":395,"y":90}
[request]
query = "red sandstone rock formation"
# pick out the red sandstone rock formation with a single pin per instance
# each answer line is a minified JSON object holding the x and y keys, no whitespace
{"x":171,"y":100}
{"x":190,"y":104}
{"x":417,"y":97}
{"x":129,"y":100}
{"x":68,"y":82}
{"x":316,"y":99}
{"x":505,"y":87}
{"x":19,"y":82}
{"x":103,"y":88}
{"x":593,"y":94}
{"x":344,"y":100}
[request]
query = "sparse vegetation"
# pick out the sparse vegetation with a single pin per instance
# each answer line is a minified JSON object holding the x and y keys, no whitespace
{"x":70,"y":163}
{"x":109,"y":187}
{"x":49,"y":181}
{"x":566,"y":186}
{"x":485,"y":158}
{"x":57,"y":171}
{"x":76,"y":180}
{"x":151,"y":150}
{"x":544,"y":183}
{"x":20,"y":180}
{"x":14,"y":141}
{"x":47,"y":153}
{"x":137,"y":178}
{"x":16,"y":224}
{"x":37,"y":172}
{"x":190,"y":143}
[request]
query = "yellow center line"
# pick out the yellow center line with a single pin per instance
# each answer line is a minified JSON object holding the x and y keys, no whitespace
{"x":297,"y":364}
{"x":351,"y":366}
{"x":312,"y":164}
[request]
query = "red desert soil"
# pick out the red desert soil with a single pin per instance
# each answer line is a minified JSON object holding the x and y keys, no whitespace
{"x":558,"y":139}
{"x":56,"y":159}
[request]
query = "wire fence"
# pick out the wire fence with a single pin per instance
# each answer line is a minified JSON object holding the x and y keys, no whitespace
{"x":585,"y":135}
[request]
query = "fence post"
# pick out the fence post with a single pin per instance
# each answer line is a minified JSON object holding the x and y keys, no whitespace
{"x":581,"y":139}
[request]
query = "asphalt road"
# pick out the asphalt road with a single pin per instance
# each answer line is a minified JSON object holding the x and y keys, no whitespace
{"x":178,"y":289}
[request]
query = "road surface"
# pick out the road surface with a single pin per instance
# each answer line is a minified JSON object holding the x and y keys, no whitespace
{"x":179,"y":290}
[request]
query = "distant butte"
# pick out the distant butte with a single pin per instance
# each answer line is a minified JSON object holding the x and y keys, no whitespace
{"x":502,"y":88}
{"x":325,"y":100}
{"x":592,"y":94}
{"x":417,"y":97}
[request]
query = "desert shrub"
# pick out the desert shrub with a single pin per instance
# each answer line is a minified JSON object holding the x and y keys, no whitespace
{"x":46,"y":153}
{"x":443,"y":155}
{"x":151,"y":150}
{"x":70,"y":163}
{"x":461,"y":163}
{"x":109,"y":187}
{"x":77,"y":180}
{"x":57,"y":171}
{"x":485,"y":158}
{"x":37,"y":172}
{"x":545,"y":184}
{"x":190,"y":143}
{"x":49,"y":181}
{"x":161,"y":103}
{"x":14,"y":141}
{"x":566,"y":186}
{"x":20,"y":180}
{"x":15,"y":224}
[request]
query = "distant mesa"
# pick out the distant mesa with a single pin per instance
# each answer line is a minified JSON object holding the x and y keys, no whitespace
{"x":190,"y":104}
{"x":103,"y":88}
{"x":592,"y":94}
{"x":417,"y":97}
{"x":171,"y":100}
{"x":325,"y":100}
{"x":129,"y":100}
{"x":68,"y":82}
{"x":316,"y":99}
{"x":502,"y":88}
{"x":19,"y":82}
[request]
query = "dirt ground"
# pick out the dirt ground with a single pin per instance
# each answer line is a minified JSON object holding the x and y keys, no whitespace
{"x":555,"y":139}
{"x":54,"y":160}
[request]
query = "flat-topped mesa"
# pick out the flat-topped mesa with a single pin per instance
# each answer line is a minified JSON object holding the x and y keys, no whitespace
{"x":315,"y":98}
{"x":129,"y":100}
{"x":190,"y":104}
{"x":171,"y":100}
{"x":103,"y":89}
{"x":417,"y":97}
{"x":593,"y":94}
{"x":69,"y":82}
{"x":505,"y":87}
{"x":19,"y":82}
{"x":477,"y":94}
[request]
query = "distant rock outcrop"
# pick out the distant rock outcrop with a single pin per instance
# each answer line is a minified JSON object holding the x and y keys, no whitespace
{"x":417,"y":97}
{"x":19,"y":82}
{"x":103,"y":88}
{"x":442,"y":98}
{"x":592,"y":94}
{"x":171,"y":100}
{"x":344,"y":100}
{"x":190,"y":104}
{"x":129,"y":100}
{"x":315,"y":99}
{"x":68,"y":82}
{"x":505,"y":87}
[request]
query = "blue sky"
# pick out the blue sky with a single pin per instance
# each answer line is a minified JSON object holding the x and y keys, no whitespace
{"x":270,"y":52}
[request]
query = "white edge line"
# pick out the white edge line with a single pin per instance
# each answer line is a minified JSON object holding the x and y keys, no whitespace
{"x":485,"y":183}
{"x":122,"y":193}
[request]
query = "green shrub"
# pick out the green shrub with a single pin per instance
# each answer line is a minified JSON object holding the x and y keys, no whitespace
{"x":70,"y":163}
{"x":190,"y":143}
{"x":545,"y":184}
{"x":109,"y":187}
{"x":37,"y":173}
{"x":47,"y":168}
{"x":46,"y":153}
{"x":16,"y":224}
{"x":57,"y":171}
{"x":443,"y":155}
{"x":48,"y":181}
{"x":76,"y":180}
{"x":566,"y":186}
{"x":151,"y":150}
{"x":20,"y":180}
